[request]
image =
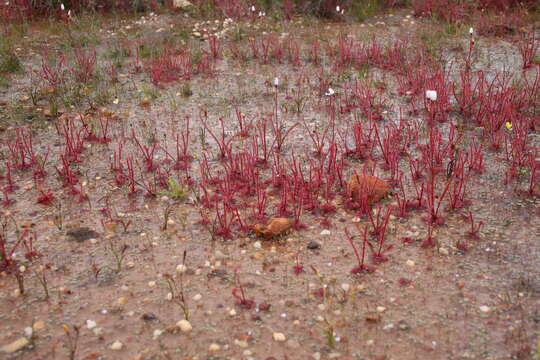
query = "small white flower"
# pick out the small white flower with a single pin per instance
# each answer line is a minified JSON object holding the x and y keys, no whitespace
{"x":471,"y":31}
{"x":338,"y":8}
{"x":330,"y":92}
{"x":62,"y":7}
{"x":431,"y":95}
{"x":253,"y":8}
{"x":22,"y":268}
{"x":276,"y":82}
{"x":116,"y":101}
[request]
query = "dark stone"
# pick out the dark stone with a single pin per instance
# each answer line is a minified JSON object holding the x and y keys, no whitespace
{"x":313,"y":245}
{"x":220,"y":273}
{"x":81,"y":234}
{"x":149,"y":317}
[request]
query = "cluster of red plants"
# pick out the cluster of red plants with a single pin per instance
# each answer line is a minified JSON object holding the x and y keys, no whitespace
{"x":248,"y":169}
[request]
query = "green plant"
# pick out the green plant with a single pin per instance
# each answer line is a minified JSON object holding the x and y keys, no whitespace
{"x":42,"y":278}
{"x":186,"y":90}
{"x":9,"y":61}
{"x":176,"y":289}
{"x":119,"y":252}
{"x":361,"y":10}
{"x":72,"y":339}
{"x":175,"y":190}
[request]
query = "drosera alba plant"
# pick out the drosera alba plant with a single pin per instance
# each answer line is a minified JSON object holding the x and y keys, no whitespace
{"x":176,"y":287}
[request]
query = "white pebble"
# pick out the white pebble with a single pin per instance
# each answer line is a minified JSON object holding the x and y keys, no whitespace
{"x":90,"y":324}
{"x":443,"y":251}
{"x":280,"y":337}
{"x":184,"y":325}
{"x":117,"y":345}
{"x":157,"y":333}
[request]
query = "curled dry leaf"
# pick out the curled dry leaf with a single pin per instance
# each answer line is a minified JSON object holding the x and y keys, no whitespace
{"x":274,"y":227}
{"x":375,"y":188}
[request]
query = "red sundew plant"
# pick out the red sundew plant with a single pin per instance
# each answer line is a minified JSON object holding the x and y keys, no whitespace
{"x":404,"y":281}
{"x":362,"y":267}
{"x":46,"y":197}
{"x":534,"y":173}
{"x":147,"y":152}
{"x":52,"y":74}
{"x":214,"y":46}
{"x":429,"y":241}
{"x":241,"y":299}
{"x":528,"y":46}
{"x":475,"y":229}
{"x":168,"y":67}
{"x":297,"y":268}
{"x":85,"y":60}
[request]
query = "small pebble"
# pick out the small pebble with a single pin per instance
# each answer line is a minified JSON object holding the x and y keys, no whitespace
{"x":38,"y":325}
{"x":443,"y":251}
{"x":214,"y":347}
{"x":90,"y":324}
{"x":485,"y":309}
{"x":279,"y":337}
{"x":117,"y":345}
{"x":184,"y":325}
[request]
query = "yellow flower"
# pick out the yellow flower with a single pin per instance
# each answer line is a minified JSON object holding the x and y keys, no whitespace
{"x":508,"y":125}
{"x":66,"y":328}
{"x":116,"y":100}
